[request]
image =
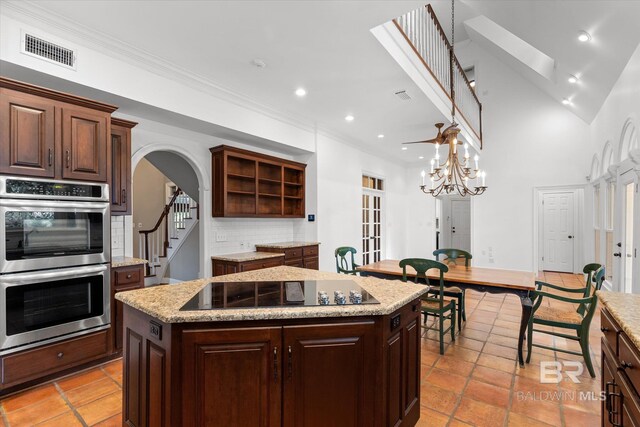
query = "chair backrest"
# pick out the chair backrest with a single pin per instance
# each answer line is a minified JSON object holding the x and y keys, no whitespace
{"x":421,"y":266}
{"x":453,"y":254}
{"x":595,"y":278}
{"x":590,"y":270}
{"x":345,"y":264}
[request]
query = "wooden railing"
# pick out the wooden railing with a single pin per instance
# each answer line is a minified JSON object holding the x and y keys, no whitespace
{"x":153,"y":243}
{"x":426,"y":37}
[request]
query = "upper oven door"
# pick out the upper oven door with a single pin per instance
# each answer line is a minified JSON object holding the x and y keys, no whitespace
{"x":47,"y":234}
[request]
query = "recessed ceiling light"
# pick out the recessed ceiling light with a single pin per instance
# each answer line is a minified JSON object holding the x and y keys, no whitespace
{"x":583,"y":36}
{"x":301,"y":92}
{"x":420,"y":157}
{"x":566,"y":101}
{"x":380,"y":136}
{"x":404,"y":148}
{"x":349,"y":118}
{"x":573,"y":79}
{"x":259,"y":63}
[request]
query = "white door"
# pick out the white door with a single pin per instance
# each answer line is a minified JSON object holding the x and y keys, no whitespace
{"x":627,"y":250}
{"x":461,"y":225}
{"x":371,"y":227}
{"x":558,"y":232}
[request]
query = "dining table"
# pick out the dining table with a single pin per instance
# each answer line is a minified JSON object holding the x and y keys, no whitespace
{"x":480,"y":279}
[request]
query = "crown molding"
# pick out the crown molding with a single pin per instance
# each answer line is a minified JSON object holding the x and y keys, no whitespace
{"x":31,"y":13}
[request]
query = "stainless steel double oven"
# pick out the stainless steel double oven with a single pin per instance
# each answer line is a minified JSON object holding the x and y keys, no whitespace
{"x":54,"y":260}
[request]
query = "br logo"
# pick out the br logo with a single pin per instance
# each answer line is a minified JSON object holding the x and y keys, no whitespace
{"x":552,"y":372}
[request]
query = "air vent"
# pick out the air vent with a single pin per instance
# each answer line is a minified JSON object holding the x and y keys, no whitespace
{"x":403,"y":95}
{"x":49,"y":51}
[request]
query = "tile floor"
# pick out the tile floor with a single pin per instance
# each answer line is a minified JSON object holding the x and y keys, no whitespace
{"x":475,"y":383}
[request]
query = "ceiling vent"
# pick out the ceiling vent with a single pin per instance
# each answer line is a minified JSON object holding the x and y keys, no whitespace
{"x":43,"y":49}
{"x":403,"y":95}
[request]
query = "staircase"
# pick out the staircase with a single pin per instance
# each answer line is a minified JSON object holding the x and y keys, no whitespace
{"x":160,"y":244}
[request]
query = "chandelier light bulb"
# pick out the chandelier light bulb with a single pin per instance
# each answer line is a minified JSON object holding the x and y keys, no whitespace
{"x":423,"y":174}
{"x":432,"y":163}
{"x":476,"y":158}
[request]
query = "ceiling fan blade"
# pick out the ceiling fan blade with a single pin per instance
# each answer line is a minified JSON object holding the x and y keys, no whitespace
{"x":428,"y":141}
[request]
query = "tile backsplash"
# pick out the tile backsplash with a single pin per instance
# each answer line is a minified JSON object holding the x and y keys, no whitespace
{"x":231,"y":235}
{"x":117,"y":236}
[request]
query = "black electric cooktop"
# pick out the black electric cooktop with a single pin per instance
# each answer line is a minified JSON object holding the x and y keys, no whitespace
{"x":305,"y":293}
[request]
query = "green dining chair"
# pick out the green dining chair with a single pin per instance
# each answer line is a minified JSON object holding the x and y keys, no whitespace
{"x":439,"y":307}
{"x":575,"y":316}
{"x":453,"y":255}
{"x":344,"y":264}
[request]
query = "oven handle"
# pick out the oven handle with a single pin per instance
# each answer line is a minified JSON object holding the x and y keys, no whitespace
{"x":58,"y":205}
{"x":8,"y":280}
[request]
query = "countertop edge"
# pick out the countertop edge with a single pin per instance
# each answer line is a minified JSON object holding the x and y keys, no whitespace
{"x":607,"y":299}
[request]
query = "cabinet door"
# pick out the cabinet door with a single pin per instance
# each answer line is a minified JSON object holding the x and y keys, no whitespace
{"x":84,"y":143}
{"x":329,"y":375}
{"x":232,"y":377}
{"x":608,"y":386}
{"x":120,"y":170}
{"x":312,"y":263}
{"x":27,"y":134}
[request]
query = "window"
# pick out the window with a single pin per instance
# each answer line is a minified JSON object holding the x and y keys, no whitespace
{"x":596,"y":222}
{"x":372,"y":183}
{"x":610,"y":208}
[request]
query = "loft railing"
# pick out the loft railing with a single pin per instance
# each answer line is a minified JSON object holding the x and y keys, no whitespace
{"x":153,"y":243}
{"x":426,"y":37}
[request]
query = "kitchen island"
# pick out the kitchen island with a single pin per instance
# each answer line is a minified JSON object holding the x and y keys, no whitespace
{"x":338,"y":365}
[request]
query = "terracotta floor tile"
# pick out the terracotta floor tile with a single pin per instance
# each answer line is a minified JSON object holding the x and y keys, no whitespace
{"x":530,"y":385}
{"x":506,"y":332}
{"x":573,"y":417}
{"x":2,"y":424}
{"x":500,"y":350}
{"x":88,"y":393}
{"x":113,"y":368}
{"x":29,"y":397}
{"x":478,"y":326}
{"x":115,"y":421}
{"x":429,"y":418}
{"x":68,"y":419}
{"x":80,"y":379}
{"x":495,"y":362}
{"x":456,"y":366}
{"x":458,"y":423}
{"x":487,"y":393}
{"x":517,"y":420}
{"x":101,"y":409}
{"x":429,"y":357}
{"x":492,"y":376}
{"x":446,"y":380}
{"x":38,"y":412}
{"x":437,"y":398}
{"x":469,"y":343}
{"x":542,"y":410}
{"x":502,"y":340}
{"x":474,"y":334}
{"x":463,"y":353}
{"x":480,"y":414}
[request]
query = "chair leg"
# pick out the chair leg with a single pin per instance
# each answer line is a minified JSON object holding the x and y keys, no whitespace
{"x":460,"y":308}
{"x":529,"y":339}
{"x":463,"y":311}
{"x":453,"y":322}
{"x":586,"y":353}
{"x":441,"y":333}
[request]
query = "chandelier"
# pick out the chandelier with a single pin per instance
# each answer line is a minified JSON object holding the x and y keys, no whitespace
{"x":454,"y":175}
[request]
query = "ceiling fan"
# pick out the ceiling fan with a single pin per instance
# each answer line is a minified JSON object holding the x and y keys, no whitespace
{"x":440,"y":137}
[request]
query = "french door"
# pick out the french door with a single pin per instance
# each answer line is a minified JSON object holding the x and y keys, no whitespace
{"x":371,"y":226}
{"x":627,"y":247}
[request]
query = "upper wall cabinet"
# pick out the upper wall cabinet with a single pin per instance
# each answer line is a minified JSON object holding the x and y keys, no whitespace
{"x":249,"y":184}
{"x":120,"y":173}
{"x":44,"y":133}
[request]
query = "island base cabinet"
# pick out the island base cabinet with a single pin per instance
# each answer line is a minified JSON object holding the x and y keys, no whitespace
{"x":232,"y":377}
{"x":329,"y":378}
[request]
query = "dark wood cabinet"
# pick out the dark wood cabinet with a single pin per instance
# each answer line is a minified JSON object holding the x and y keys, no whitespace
{"x":249,"y":184}
{"x":301,"y":256}
{"x":51,"y":134}
{"x":620,"y":375}
{"x":358,"y":371}
{"x":221,"y":267}
{"x":125,"y":278}
{"x":328,"y":375}
{"x":27,"y":134}
{"x":120,"y":173}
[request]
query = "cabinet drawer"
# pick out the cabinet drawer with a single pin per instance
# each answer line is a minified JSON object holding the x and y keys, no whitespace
{"x":310,"y":251}
{"x":292,"y":253}
{"x":128,"y":275}
{"x":311,"y":263}
{"x":266,"y":263}
{"x":630,"y":408}
{"x":297,"y":262}
{"x":610,"y":330}
{"x":46,"y":360}
{"x":629,"y":360}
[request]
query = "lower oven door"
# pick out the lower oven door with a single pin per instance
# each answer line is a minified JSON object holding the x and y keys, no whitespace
{"x":52,"y":304}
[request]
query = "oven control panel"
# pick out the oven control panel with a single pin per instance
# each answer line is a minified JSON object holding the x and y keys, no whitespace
{"x":47,"y":189}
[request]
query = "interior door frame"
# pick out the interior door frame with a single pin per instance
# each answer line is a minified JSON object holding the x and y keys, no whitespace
{"x":383,"y":207}
{"x":578,"y":224}
{"x":625,"y":176}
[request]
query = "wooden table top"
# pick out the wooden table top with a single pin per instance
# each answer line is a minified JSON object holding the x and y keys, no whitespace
{"x":472,"y":275}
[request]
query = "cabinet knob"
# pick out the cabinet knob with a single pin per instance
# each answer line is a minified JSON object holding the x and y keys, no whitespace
{"x":129,"y":276}
{"x":604,"y":329}
{"x":626,"y":365}
{"x":60,"y":355}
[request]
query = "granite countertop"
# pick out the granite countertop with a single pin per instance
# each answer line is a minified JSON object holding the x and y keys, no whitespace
{"x":286,"y":245}
{"x":624,"y":308}
{"x":123,"y":261}
{"x":246,"y":256}
{"x":164,"y":302}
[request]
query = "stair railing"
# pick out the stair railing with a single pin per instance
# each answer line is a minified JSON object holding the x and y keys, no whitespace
{"x":153,"y":243}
